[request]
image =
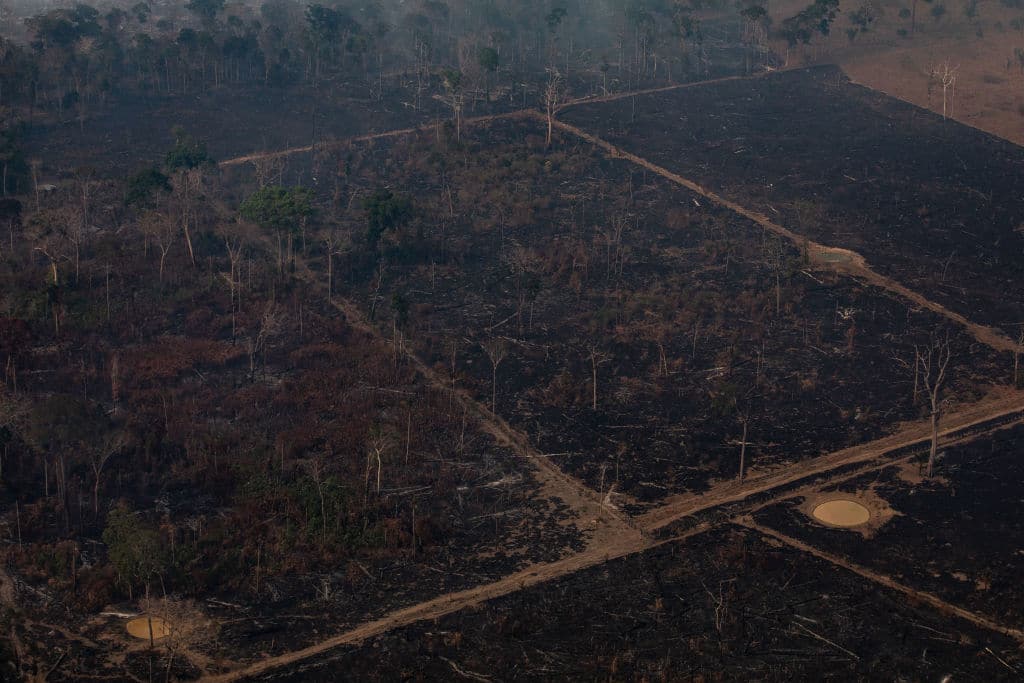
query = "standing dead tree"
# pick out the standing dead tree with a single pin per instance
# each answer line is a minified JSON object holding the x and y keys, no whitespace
{"x":456,"y":98}
{"x":933,"y":362}
{"x":597,"y":358}
{"x":745,"y":421}
{"x":270,"y":324}
{"x":553,"y":95}
{"x":945,"y":75}
{"x":1016,"y":358}
{"x":377,"y":446}
{"x":496,"y":350}
{"x":161,"y":230}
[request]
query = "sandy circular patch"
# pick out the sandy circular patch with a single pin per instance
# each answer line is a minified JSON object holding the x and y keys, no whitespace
{"x":139,"y":628}
{"x":862,"y":511}
{"x":842,"y":513}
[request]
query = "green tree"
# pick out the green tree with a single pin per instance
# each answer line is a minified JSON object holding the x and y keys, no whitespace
{"x":489,"y":61}
{"x":284,"y":210}
{"x":385,"y":211}
{"x":205,"y":10}
{"x":146,"y":184}
{"x":134,"y":548}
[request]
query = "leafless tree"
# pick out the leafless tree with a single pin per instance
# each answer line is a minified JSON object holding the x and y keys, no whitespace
{"x":377,"y":446}
{"x":945,"y":75}
{"x":334,"y":245}
{"x":745,"y":421}
{"x":775,"y":258}
{"x":553,"y":95}
{"x":1016,"y":358}
{"x":933,"y":362}
{"x":268,"y":169}
{"x":187,"y":185}
{"x":597,"y":358}
{"x":316,"y":470}
{"x":269,"y":327}
{"x":98,"y":458}
{"x":456,"y":98}
{"x":186,"y":627}
{"x":496,"y":350}
{"x":162,"y":231}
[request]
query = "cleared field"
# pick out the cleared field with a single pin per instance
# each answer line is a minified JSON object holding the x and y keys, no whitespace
{"x":926,"y":201}
{"x":626,"y":327}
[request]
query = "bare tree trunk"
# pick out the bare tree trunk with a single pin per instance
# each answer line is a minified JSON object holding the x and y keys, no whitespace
{"x":935,"y":441}
{"x":743,"y":449}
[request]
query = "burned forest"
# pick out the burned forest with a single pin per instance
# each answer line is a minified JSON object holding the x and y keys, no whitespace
{"x":654,"y":340}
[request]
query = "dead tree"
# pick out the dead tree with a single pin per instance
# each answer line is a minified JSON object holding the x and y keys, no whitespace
{"x":496,"y":351}
{"x":945,"y":75}
{"x":269,"y":327}
{"x":744,"y":420}
{"x":553,"y":95}
{"x":162,"y":230}
{"x":456,"y":99}
{"x":933,"y":362}
{"x":377,"y":446}
{"x":98,"y":459}
{"x":596,"y":358}
{"x":1016,"y":358}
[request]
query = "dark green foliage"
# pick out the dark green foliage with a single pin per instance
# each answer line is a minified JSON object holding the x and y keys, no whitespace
{"x":554,"y":18}
{"x":133,"y":547}
{"x":187,"y":153}
{"x":278,"y":208}
{"x":206,"y":10}
{"x":145,"y":184}
{"x":488,"y":58}
{"x":815,"y":18}
{"x":385,"y":211}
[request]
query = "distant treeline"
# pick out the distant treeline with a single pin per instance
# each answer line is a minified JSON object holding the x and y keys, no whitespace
{"x":71,"y":59}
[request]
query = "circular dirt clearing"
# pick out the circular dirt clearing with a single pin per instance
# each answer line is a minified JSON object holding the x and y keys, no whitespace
{"x":139,"y":628}
{"x":844,"y":513}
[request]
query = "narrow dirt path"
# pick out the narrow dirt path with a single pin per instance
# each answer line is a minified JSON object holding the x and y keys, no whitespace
{"x":585,"y":502}
{"x":883,"y":580}
{"x":1005,"y":403}
{"x":446,"y":604}
{"x":398,"y":132}
{"x":822,"y":256}
{"x":615,"y":544}
{"x":475,"y":120}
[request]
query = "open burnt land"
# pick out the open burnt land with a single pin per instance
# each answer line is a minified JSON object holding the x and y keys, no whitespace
{"x":556,"y":266}
{"x":255,"y":451}
{"x":726,"y":605}
{"x":927,"y":201}
{"x":957,"y":536}
{"x":137,"y":129}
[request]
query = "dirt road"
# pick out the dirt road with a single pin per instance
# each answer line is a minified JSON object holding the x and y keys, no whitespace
{"x":475,"y":120}
{"x":615,"y":547}
{"x":1007,"y":403}
{"x":822,"y":256}
{"x":881,"y":579}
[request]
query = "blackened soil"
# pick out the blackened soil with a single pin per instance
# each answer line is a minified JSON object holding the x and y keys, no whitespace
{"x":959,"y":537}
{"x":722,"y":606}
{"x":699,"y":318}
{"x":929,"y":202}
{"x":136,"y":130}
